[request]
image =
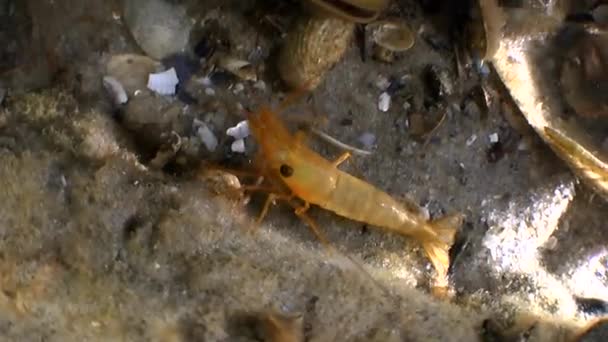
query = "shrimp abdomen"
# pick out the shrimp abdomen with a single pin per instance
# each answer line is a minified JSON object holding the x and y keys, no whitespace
{"x":360,"y":201}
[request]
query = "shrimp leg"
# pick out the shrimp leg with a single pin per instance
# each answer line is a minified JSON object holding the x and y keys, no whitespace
{"x":341,"y":159}
{"x":301,"y":213}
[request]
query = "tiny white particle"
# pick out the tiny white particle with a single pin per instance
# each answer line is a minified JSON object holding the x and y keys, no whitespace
{"x":210,"y":91}
{"x":207,"y":137}
{"x":384,"y":102}
{"x":238,"y":146}
{"x":493,"y":138}
{"x":163,"y":83}
{"x":240,"y":131}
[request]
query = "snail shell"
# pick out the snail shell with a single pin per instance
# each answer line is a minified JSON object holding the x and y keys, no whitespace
{"x":313,"y":46}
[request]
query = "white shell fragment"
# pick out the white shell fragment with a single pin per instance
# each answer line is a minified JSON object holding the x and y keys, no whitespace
{"x":207,"y":137}
{"x":493,"y":138}
{"x":384,"y":102}
{"x":240,"y":131}
{"x":163,"y":83}
{"x":115,"y":89}
{"x":238,"y":146}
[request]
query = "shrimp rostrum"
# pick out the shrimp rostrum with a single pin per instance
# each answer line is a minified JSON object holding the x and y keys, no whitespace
{"x":297,"y":172}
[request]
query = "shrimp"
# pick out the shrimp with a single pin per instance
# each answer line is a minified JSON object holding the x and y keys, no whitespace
{"x":299,"y":172}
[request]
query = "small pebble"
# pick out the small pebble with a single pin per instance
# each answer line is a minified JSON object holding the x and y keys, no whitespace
{"x":207,"y":137}
{"x":384,"y":102}
{"x":382,"y":82}
{"x":210,"y":91}
{"x":238,"y":146}
{"x":493,"y":138}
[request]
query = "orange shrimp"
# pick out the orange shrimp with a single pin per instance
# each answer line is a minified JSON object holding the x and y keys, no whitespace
{"x":298,"y":172}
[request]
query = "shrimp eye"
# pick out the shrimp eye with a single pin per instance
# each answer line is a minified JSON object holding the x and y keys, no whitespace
{"x":286,"y":170}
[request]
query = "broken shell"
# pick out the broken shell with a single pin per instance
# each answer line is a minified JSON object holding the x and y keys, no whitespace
{"x":360,"y":11}
{"x":393,"y":35}
{"x":314,"y":45}
{"x":238,"y":67}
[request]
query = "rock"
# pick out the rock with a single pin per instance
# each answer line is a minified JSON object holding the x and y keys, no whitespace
{"x":160,"y":28}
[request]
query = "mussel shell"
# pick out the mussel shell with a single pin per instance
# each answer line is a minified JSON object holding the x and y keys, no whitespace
{"x":359,"y":11}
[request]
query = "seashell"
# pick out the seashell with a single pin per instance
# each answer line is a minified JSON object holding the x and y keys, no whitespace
{"x":312,"y":47}
{"x":238,"y":67}
{"x":393,"y":35}
{"x":360,"y":11}
{"x":163,"y":83}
